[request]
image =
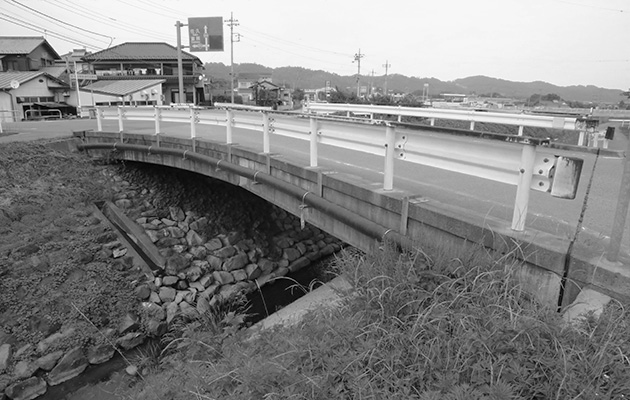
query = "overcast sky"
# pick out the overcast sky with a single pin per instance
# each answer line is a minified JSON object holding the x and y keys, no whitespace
{"x":563,"y":42}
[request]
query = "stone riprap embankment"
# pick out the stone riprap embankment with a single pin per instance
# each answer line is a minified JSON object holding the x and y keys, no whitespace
{"x":205,"y":263}
{"x":201,"y":272}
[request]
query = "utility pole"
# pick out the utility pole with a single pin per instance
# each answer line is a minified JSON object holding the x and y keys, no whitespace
{"x":371,"y":84}
{"x":357,"y":58}
{"x":232,"y":23}
{"x":386,"y":65}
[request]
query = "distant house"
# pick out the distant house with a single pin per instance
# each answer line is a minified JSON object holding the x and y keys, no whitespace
{"x":25,"y":53}
{"x":258,"y":89}
{"x":136,"y":61}
{"x":246,"y":82}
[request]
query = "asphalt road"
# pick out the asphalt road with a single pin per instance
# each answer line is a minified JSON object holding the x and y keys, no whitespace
{"x":466,"y":193}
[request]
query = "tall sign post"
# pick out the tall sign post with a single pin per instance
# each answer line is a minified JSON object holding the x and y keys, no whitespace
{"x":180,"y":66}
{"x":204,"y":34}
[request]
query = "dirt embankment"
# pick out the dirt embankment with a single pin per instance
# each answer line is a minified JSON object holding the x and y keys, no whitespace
{"x":51,"y":246}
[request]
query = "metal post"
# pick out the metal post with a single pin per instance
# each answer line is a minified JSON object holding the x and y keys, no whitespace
{"x":621,"y":214}
{"x":229,"y":124}
{"x":76,"y":82}
{"x":390,"y":144}
{"x":528,"y":157}
{"x":314,"y":132}
{"x":120,"y":118}
{"x":158,"y":117}
{"x":266,"y":133}
{"x":99,"y":120}
{"x":180,"y":67}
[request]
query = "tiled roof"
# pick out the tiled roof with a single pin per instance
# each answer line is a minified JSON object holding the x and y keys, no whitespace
{"x":140,"y":51}
{"x":21,"y":77}
{"x":23,"y":45}
{"x":55,"y":71}
{"x":122,"y":88}
{"x":19,"y":44}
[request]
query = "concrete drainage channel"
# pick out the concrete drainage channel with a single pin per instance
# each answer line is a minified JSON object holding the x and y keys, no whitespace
{"x":198,"y":275}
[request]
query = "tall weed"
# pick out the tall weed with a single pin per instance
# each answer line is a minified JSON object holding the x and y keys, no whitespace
{"x":429,"y":324}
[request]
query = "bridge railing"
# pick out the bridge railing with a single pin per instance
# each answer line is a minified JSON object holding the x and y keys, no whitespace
{"x":509,"y":159}
{"x":586,"y":127}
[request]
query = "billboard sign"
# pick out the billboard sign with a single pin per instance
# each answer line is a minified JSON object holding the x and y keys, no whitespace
{"x":205,"y":34}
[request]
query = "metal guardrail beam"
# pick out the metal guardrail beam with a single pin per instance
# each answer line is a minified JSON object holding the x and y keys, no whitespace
{"x":540,"y":121}
{"x":511,"y":159}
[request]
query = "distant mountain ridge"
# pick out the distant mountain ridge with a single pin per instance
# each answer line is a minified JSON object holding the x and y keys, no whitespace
{"x":303,"y":78}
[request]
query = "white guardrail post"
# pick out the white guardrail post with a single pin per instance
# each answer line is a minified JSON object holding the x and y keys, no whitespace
{"x":229,"y":124}
{"x":99,"y":119}
{"x":390,"y":150}
{"x":313,"y":141}
{"x":265,"y":132}
{"x":158,"y":116}
{"x":526,"y":170}
{"x":158,"y":119}
{"x":121,"y":116}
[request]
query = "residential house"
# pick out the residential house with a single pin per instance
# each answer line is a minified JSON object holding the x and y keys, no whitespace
{"x":25,"y":88}
{"x":245,"y":82}
{"x":135,"y":61}
{"x":258,"y":89}
{"x":31,"y":95}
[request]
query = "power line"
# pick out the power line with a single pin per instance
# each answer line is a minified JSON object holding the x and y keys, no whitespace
{"x":129,"y":3}
{"x":110,"y":22}
{"x":296,"y":44}
{"x":591,"y":6}
{"x":155,"y":4}
{"x":60,"y":21}
{"x":249,"y":38}
{"x":28,"y":25}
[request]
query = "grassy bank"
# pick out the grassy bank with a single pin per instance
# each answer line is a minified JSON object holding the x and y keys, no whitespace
{"x":427,"y":325}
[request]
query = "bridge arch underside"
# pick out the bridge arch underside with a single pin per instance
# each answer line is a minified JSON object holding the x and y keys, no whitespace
{"x":350,"y":209}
